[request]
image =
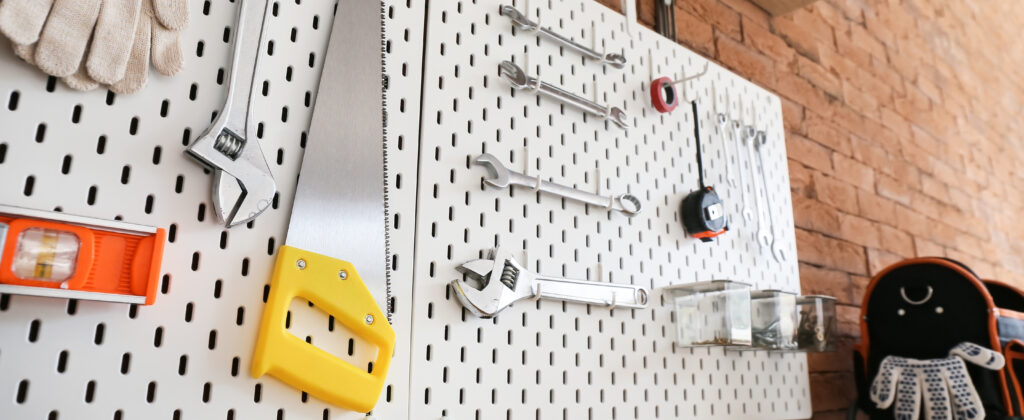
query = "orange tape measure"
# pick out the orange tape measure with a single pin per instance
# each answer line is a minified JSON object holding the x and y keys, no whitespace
{"x":60,"y":255}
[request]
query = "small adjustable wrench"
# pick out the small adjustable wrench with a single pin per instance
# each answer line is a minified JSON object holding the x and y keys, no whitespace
{"x":505,"y":282}
{"x":243,"y":186}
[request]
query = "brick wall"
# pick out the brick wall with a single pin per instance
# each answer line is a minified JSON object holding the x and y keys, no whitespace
{"x":901,"y":120}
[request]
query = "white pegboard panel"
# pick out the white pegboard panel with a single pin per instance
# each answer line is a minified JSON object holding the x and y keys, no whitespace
{"x":567,"y":361}
{"x":189,"y":355}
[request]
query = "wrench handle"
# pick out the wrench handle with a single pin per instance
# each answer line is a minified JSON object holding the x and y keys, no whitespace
{"x":244,"y":60}
{"x":572,"y":99}
{"x":581,"y":291}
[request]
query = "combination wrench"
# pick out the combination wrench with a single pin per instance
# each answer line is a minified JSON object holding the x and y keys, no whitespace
{"x":526,"y":25}
{"x":519,"y":80}
{"x":763,"y":235}
{"x":737,"y":134}
{"x":760,"y":141}
{"x":505,"y":282}
{"x":723,"y":126}
{"x":503,"y":177}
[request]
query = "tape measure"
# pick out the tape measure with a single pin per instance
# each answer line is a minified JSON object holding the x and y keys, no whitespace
{"x":703,"y":211}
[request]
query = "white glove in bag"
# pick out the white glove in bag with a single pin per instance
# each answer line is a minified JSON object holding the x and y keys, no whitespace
{"x":943,"y":385}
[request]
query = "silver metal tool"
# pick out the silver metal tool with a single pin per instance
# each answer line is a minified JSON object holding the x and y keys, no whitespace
{"x":503,"y":177}
{"x":723,"y":126}
{"x":760,"y":140}
{"x":520,"y":80}
{"x":243,"y":186}
{"x":737,"y":136}
{"x":764,"y":235}
{"x":524,"y":24}
{"x":504,"y":282}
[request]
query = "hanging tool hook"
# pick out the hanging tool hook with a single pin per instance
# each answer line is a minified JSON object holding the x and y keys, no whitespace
{"x":663,"y":91}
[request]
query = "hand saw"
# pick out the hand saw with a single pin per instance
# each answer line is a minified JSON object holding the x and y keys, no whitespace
{"x":339,"y":224}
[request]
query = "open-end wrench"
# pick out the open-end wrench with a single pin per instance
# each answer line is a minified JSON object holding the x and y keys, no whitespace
{"x":737,"y":136}
{"x":243,"y":186}
{"x":503,"y":177}
{"x":723,"y":126}
{"x":760,"y":140}
{"x":518,"y":78}
{"x":764,"y":234}
{"x":505,"y":281}
{"x":526,"y":25}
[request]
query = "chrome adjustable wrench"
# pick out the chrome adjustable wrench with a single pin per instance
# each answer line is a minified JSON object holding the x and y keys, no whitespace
{"x":505,"y":282}
{"x":243,"y":186}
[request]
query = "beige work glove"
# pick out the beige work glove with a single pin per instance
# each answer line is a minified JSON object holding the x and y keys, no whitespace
{"x":92,"y":42}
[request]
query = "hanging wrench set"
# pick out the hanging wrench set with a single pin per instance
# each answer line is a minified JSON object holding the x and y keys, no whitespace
{"x":528,"y":222}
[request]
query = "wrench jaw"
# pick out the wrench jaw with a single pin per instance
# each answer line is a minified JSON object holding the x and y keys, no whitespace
{"x":499,"y":174}
{"x":504,"y":283}
{"x":243,"y":186}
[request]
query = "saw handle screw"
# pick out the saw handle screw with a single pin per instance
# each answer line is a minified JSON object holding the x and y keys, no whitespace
{"x":301,"y":264}
{"x":343,"y":274}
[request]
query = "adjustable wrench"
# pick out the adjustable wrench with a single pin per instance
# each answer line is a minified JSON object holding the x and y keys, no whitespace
{"x":737,"y":137}
{"x":764,"y":234}
{"x":760,"y":140}
{"x":505,"y":282}
{"x":243,"y":186}
{"x":503,"y":177}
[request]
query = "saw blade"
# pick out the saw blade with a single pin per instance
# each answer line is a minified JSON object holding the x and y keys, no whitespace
{"x":341,"y":199}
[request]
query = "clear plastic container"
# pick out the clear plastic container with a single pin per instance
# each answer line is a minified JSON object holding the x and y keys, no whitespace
{"x":816,"y":327}
{"x":773,"y":320}
{"x":712,"y":313}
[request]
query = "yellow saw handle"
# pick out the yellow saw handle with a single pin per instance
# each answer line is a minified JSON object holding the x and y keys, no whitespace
{"x":318,"y":279}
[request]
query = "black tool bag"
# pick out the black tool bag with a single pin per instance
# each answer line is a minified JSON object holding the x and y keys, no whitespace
{"x":921,"y":308}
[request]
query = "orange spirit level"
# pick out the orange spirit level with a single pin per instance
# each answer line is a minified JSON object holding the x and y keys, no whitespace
{"x":61,"y":255}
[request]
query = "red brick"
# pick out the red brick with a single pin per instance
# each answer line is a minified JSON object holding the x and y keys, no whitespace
{"x":896,"y":241}
{"x":814,"y":215}
{"x":878,"y":260}
{"x":854,"y":172}
{"x":876,"y":208}
{"x":894,"y":190}
{"x":913,"y":222}
{"x":823,"y":281}
{"x":860,"y":36}
{"x":792,"y":116}
{"x":827,"y":133}
{"x":761,"y":39}
{"x":858,"y":230}
{"x":818,"y":249}
{"x":926,"y":248}
{"x":746,"y":61}
{"x":819,"y":76}
{"x":833,"y":391}
{"x":801,"y":91}
{"x":809,"y":153}
{"x":800,"y":181}
{"x":695,"y":33}
{"x":797,"y":36}
{"x":836,"y":193}
{"x":717,"y":14}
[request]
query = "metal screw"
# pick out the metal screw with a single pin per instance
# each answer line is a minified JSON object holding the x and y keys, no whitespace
{"x":301,"y":263}
{"x":343,"y":274}
{"x":369,"y":319}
